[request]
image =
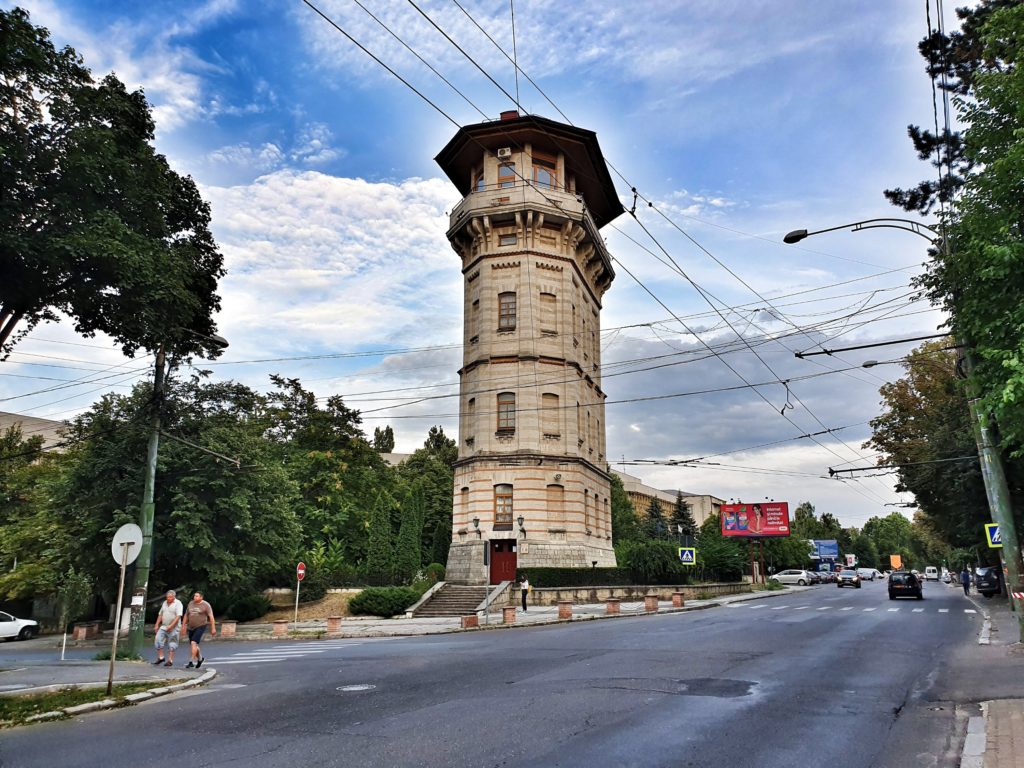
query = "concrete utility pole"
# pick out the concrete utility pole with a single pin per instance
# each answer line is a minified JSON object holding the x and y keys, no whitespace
{"x":992,"y":472}
{"x":146,"y":514}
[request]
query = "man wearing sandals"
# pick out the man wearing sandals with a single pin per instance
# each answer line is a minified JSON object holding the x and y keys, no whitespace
{"x":167,"y":629}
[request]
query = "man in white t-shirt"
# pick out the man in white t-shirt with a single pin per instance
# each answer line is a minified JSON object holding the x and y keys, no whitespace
{"x":167,"y":627}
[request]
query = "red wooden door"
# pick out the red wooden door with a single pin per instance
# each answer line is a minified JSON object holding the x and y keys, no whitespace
{"x":503,"y":560}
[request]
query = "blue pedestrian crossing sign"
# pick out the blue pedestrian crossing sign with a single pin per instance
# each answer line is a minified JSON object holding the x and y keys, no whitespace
{"x":688,"y":555}
{"x":995,"y":541}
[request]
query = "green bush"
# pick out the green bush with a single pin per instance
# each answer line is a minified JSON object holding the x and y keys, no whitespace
{"x":314,"y":586}
{"x":652,"y":562}
{"x":248,"y":608}
{"x":382,"y":601}
{"x":577,"y":577}
{"x":434,"y":572}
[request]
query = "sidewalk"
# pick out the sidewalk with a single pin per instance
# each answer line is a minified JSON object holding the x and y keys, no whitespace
{"x":995,"y":739}
{"x":52,"y":675}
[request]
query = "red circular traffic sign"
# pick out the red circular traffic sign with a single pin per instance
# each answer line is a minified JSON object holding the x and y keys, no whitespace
{"x":300,"y":571}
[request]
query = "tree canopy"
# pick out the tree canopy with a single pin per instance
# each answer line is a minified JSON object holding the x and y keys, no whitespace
{"x":94,"y":223}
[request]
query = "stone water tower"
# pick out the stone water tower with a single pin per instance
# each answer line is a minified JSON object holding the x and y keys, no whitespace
{"x":531,"y":481}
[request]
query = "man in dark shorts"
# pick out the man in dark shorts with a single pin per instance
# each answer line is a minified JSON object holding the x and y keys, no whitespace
{"x":198,"y":616}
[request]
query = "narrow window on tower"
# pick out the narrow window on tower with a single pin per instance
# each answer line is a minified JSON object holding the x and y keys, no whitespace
{"x":503,"y":507}
{"x":548,"y":313}
{"x":507,"y":412}
{"x":509,"y":239}
{"x":551,"y":415}
{"x":507,"y":175}
{"x":556,"y":506}
{"x":474,"y":325}
{"x":507,"y":311}
{"x":477,"y":179}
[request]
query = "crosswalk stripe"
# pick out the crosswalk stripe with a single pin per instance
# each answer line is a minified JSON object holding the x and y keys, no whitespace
{"x":779,"y":607}
{"x":848,"y":608}
{"x":824,"y":607}
{"x":247,"y":661}
{"x":275,"y":653}
{"x":893,"y":610}
{"x":800,"y":608}
{"x":943,"y":610}
{"x":755,"y":607}
{"x":870,"y":609}
{"x":918,"y":610}
{"x":969,"y":610}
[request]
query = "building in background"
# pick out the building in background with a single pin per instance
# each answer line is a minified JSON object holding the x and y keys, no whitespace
{"x":531,"y":481}
{"x":51,"y":431}
{"x":701,"y":506}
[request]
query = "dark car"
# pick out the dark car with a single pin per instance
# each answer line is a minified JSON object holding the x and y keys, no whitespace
{"x":815,"y":577}
{"x":848,"y":578}
{"x":905,"y":584}
{"x":988,"y":580}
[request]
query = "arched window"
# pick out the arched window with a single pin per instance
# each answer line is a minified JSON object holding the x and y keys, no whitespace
{"x":507,"y":412}
{"x":503,"y":507}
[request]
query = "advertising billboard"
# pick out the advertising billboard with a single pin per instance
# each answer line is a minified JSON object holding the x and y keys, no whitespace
{"x":827,"y":549}
{"x":769,"y":518}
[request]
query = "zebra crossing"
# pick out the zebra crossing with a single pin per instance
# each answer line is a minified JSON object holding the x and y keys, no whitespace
{"x":279,"y":653}
{"x":851,"y":609}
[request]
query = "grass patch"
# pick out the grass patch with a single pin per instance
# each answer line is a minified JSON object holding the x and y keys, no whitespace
{"x":122,"y":655}
{"x":705,"y":596}
{"x":15,"y":710}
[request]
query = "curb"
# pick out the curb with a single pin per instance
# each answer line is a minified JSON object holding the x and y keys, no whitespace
{"x":133,"y":698}
{"x":973,"y":753}
{"x":985,"y":636}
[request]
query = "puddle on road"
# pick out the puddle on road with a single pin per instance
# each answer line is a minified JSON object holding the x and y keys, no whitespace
{"x":716,"y":687}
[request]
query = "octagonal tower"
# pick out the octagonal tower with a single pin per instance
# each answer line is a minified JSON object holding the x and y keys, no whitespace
{"x":531,"y":481}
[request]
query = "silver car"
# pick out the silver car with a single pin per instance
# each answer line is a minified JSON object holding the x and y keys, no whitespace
{"x":801,"y":578}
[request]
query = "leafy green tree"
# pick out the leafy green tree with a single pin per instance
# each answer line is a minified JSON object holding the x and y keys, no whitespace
{"x":380,"y":552}
{"x":429,"y":470}
{"x":625,"y":526}
{"x":383,"y":439}
{"x":718,"y":558}
{"x":73,"y":594}
{"x":864,"y":547}
{"x":94,"y":223}
{"x":441,"y":541}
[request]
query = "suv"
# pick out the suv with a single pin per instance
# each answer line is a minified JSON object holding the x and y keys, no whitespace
{"x":848,"y":577}
{"x":904,"y":584}
{"x":792,"y":576}
{"x":988,"y":580}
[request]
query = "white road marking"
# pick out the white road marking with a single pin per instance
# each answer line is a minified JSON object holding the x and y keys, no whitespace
{"x":848,"y":608}
{"x":919,"y":610}
{"x":755,"y":607}
{"x":779,"y":607}
{"x":969,"y":610}
{"x":261,"y":660}
{"x":275,"y":653}
{"x":824,"y":607}
{"x":801,"y":608}
{"x":893,"y":610}
{"x":870,"y":609}
{"x":943,"y":610}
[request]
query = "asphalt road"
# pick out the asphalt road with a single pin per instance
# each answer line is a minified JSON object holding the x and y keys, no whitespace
{"x":825,"y":677}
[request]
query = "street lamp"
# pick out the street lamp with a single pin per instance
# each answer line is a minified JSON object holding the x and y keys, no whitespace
{"x":992,"y":472}
{"x":147,"y":511}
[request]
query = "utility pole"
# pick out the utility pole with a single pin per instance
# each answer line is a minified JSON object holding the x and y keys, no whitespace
{"x":146,"y":513}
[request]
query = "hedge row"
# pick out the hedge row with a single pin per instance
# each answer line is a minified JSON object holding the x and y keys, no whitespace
{"x":577,"y":577}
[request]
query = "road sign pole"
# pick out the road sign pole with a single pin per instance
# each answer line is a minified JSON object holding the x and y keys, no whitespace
{"x":298,"y":586}
{"x":117,"y":616}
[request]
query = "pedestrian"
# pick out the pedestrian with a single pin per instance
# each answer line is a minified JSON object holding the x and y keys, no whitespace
{"x":965,"y":579}
{"x":198,"y":616}
{"x":524,"y":588}
{"x":167,"y":628}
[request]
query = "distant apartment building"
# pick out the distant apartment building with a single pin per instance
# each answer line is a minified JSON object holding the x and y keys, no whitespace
{"x":701,"y":506}
{"x":31,"y":426}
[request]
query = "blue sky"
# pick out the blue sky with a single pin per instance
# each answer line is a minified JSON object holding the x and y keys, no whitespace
{"x":740,"y":119}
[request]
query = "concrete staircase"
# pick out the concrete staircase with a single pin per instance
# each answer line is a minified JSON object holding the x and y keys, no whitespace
{"x":452,"y":600}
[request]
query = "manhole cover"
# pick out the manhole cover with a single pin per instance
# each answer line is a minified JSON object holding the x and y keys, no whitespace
{"x":360,"y":687}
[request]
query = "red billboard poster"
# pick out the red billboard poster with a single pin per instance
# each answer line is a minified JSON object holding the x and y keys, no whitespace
{"x":770,"y":518}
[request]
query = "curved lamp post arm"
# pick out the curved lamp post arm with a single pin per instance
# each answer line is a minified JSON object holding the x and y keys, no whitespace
{"x":907,"y":225}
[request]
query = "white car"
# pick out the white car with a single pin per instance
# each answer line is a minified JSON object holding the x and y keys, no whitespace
{"x":802,"y":578}
{"x":869,"y":574}
{"x":23,"y":629}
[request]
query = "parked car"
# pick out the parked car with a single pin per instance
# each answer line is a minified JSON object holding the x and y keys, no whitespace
{"x":904,"y":584}
{"x":931,"y":573}
{"x":869,"y":574}
{"x":848,"y":578}
{"x":814,"y":577}
{"x":947,"y":577}
{"x":988,"y":580}
{"x":792,"y":576}
{"x":22,"y":629}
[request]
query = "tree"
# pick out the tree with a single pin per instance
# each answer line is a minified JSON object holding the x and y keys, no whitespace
{"x":926,"y":430}
{"x":380,"y":553}
{"x":654,"y":521}
{"x":93,"y":222}
{"x":625,"y":526}
{"x":73,"y":594}
{"x":682,"y":521}
{"x":441,"y":541}
{"x":410,"y":534}
{"x":718,"y":558}
{"x":383,"y":439}
{"x":429,"y":470}
{"x":891,"y":535}
{"x":957,"y":59}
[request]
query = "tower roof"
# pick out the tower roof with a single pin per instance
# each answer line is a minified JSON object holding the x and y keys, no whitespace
{"x":582,"y":156}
